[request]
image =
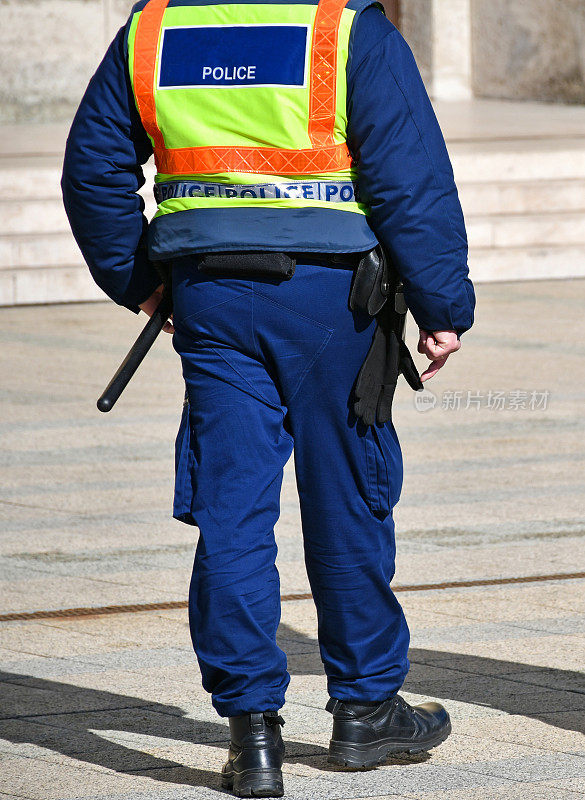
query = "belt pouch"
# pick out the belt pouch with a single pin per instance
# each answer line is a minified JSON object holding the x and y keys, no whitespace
{"x":371,"y":282}
{"x":240,"y":265}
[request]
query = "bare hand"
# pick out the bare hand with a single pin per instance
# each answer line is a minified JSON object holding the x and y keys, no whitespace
{"x":149,"y":307}
{"x":437,"y":347}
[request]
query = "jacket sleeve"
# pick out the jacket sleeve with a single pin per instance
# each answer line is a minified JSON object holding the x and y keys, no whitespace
{"x":101,"y":176}
{"x":405,"y":176}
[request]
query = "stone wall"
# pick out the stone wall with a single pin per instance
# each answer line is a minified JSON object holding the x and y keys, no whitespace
{"x":416,"y":23}
{"x":48,"y":51}
{"x":529,"y":49}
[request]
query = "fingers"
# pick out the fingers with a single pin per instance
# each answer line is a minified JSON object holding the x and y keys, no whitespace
{"x":437,"y":347}
{"x":429,"y":346}
{"x":433,"y":368}
{"x":422,"y":342}
{"x":168,"y":327}
{"x":149,"y":306}
{"x":438,"y":344}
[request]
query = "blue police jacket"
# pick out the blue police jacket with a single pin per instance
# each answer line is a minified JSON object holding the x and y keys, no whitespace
{"x":405,"y":176}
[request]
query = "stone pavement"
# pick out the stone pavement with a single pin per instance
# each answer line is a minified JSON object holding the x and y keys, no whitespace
{"x":111,"y":706}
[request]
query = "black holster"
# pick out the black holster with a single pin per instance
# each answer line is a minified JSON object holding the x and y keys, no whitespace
{"x":372,"y":282}
{"x":377,"y":290}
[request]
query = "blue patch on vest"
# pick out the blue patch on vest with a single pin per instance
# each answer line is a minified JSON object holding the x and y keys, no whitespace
{"x":238,"y":55}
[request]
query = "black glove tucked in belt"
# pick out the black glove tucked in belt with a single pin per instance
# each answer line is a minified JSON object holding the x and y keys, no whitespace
{"x":377,"y":291}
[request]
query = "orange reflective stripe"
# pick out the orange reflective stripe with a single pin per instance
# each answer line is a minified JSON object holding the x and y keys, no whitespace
{"x":260,"y":160}
{"x":145,"y":50}
{"x":323,"y":98}
{"x":325,"y":156}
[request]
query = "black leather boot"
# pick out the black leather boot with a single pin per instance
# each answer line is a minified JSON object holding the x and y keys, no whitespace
{"x":253,"y":768}
{"x":365,"y":734}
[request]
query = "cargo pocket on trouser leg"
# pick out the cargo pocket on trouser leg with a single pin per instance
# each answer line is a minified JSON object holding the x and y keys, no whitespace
{"x":184,"y":462}
{"x":383,"y":469}
{"x":377,"y":478}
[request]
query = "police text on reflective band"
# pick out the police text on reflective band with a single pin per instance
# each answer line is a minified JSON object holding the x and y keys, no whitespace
{"x":328,"y":191}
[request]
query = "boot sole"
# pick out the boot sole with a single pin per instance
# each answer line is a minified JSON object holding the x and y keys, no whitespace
{"x":254,"y":783}
{"x":368,"y":756}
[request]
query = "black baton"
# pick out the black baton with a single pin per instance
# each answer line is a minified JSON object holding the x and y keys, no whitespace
{"x":136,"y":353}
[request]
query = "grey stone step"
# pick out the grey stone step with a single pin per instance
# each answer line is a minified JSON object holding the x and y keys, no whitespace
{"x":46,"y":249}
{"x":520,"y":160}
{"x":497,"y":197}
{"x":41,"y":215}
{"x":39,"y":178}
{"x":526,"y":230}
{"x":526,"y":263}
{"x":31,"y":178}
{"x":47,"y":284}
{"x":33,"y":216}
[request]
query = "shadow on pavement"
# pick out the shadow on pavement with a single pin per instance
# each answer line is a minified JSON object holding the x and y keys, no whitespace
{"x":553,"y":696}
{"x":74,"y":721}
{"x":78,"y":722}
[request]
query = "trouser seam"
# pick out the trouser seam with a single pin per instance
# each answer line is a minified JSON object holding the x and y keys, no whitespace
{"x":254,"y":392}
{"x":310,"y":366}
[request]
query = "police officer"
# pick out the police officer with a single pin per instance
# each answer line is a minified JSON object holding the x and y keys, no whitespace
{"x":288,"y":137}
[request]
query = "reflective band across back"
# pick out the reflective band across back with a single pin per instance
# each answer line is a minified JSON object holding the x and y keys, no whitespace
{"x":256,"y":160}
{"x":327,"y":191}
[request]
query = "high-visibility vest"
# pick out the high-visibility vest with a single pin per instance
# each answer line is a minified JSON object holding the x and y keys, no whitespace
{"x":245,"y":105}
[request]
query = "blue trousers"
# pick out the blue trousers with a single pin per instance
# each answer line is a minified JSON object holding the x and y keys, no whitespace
{"x":269,"y":366}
